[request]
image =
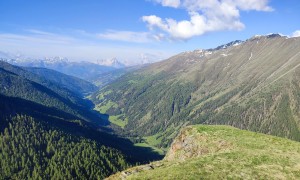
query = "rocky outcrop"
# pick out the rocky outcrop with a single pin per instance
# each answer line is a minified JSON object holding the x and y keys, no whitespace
{"x":192,"y":143}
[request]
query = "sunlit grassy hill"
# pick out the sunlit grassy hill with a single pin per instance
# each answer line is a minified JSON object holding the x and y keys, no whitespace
{"x":222,"y":152}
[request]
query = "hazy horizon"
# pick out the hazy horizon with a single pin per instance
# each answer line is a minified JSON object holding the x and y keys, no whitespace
{"x":128,"y":29}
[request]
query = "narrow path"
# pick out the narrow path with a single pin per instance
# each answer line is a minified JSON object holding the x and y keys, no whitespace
{"x":250,"y":56}
{"x":284,"y":74}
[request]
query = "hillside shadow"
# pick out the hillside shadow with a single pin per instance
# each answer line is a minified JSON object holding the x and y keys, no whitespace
{"x":136,"y":154}
{"x":104,"y":135}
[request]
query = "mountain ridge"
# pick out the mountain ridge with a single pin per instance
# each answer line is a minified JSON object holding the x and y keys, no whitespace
{"x":72,"y":83}
{"x":242,"y":86}
{"x":18,"y":82}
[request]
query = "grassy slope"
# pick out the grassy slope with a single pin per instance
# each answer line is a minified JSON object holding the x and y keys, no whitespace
{"x":253,"y":86}
{"x":224,"y":152}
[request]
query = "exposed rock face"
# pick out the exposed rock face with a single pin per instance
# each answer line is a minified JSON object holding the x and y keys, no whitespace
{"x":190,"y":143}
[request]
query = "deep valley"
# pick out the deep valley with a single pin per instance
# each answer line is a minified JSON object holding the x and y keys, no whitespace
{"x":230,"y":111}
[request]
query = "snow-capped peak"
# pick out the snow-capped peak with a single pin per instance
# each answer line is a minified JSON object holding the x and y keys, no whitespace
{"x":270,"y":35}
{"x":113,"y":62}
{"x":225,"y":46}
{"x":56,"y":59}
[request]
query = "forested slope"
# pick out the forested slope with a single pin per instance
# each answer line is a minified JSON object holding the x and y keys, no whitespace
{"x":74,"y":84}
{"x":44,"y":135}
{"x":31,"y":149}
{"x":17,"y":82}
{"x":252,"y":85}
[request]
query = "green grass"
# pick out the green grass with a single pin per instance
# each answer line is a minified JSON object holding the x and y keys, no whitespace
{"x":105,"y":106}
{"x":222,"y":152}
{"x":117,"y":121}
{"x":132,"y":81}
{"x":101,"y":96}
{"x":153,"y":140}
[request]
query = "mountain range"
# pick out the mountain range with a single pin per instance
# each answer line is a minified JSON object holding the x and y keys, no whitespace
{"x":55,"y":124}
{"x":252,"y":85}
{"x":48,"y":129}
{"x":84,"y":70}
{"x":114,"y":62}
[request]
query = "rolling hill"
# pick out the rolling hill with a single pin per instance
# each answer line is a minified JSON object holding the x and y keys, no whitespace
{"x":222,"y":152}
{"x":252,"y":85}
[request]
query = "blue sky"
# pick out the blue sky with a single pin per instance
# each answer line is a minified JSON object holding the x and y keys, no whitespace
{"x":130,"y":29}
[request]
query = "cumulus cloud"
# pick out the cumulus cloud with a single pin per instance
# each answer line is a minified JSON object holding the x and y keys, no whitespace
{"x":205,"y":16}
{"x":296,"y":34}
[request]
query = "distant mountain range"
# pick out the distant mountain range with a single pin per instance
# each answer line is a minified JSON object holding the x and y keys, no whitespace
{"x":114,"y":62}
{"x":84,"y":69}
{"x":143,"y":59}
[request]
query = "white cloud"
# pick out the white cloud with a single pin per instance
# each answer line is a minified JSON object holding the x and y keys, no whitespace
{"x":37,"y":38}
{"x":39,"y":32}
{"x":128,"y":36}
{"x":205,"y":16}
{"x":169,"y":3}
{"x":258,"y":5}
{"x":296,"y":33}
{"x":80,"y":45}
